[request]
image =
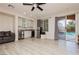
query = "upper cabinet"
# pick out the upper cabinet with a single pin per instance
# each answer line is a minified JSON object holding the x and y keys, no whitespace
{"x":29,"y":23}
{"x":46,"y":25}
{"x":19,"y":22}
{"x":25,"y":23}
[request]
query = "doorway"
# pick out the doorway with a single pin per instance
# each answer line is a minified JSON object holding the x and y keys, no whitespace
{"x":65,"y":28}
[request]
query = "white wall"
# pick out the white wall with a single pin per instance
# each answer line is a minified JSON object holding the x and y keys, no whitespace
{"x":51,"y":26}
{"x":6,"y":22}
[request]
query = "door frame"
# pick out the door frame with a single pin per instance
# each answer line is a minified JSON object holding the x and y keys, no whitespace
{"x":56,"y":28}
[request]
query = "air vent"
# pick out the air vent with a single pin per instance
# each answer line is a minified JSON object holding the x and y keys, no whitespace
{"x":11,"y":6}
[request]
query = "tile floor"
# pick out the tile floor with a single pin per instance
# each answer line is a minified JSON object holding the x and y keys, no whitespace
{"x":39,"y":47}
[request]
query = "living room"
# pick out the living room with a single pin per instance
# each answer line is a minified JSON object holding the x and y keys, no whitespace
{"x":21,"y":23}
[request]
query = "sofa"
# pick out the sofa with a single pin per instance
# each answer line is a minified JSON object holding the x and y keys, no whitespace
{"x":6,"y":36}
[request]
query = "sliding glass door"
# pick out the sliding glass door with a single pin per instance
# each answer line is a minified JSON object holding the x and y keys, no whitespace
{"x":65,"y":28}
{"x":60,"y":30}
{"x":70,"y":28}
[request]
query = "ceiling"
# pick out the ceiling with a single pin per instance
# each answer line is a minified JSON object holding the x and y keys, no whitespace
{"x":49,"y":9}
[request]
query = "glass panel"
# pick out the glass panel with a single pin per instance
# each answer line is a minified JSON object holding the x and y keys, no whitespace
{"x":70,"y":30}
{"x":45,"y":25}
{"x":61,"y":29}
{"x":19,"y":22}
{"x":23,"y":22}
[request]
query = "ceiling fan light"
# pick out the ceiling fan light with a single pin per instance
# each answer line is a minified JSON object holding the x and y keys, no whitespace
{"x":35,"y":5}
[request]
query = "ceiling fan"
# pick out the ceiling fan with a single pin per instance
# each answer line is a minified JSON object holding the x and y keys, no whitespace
{"x":35,"y":5}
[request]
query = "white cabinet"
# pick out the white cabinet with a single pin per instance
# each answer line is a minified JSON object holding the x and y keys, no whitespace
{"x":25,"y":23}
{"x":27,"y":34}
{"x":29,"y":23}
{"x":20,"y":22}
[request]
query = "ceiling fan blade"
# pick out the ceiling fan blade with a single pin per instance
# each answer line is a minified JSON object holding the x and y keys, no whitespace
{"x":27,"y":4}
{"x":39,"y":8}
{"x":40,"y":3}
{"x":32,"y":8}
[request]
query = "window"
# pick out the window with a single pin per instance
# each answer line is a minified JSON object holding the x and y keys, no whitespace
{"x":45,"y":25}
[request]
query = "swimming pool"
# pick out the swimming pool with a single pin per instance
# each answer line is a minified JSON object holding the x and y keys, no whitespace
{"x":70,"y":33}
{"x":69,"y":36}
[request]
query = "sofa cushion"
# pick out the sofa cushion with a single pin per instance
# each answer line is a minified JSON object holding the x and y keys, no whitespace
{"x":1,"y":34}
{"x":6,"y":36}
{"x":7,"y":33}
